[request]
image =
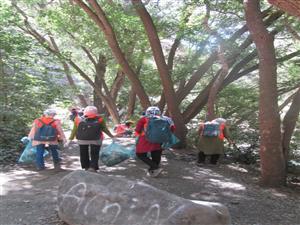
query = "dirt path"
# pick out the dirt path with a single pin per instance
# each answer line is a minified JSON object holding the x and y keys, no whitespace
{"x":29,"y":197}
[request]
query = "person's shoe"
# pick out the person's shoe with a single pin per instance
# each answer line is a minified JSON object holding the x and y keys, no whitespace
{"x":155,"y":173}
{"x":40,"y":168}
{"x":213,"y":165}
{"x":57,"y":166}
{"x":200,"y":164}
{"x":149,"y":173}
{"x":92,"y":170}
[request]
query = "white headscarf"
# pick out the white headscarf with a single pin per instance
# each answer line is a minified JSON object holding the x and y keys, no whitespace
{"x":50,"y":112}
{"x":153,"y":111}
{"x":219,"y":120}
{"x":90,"y":111}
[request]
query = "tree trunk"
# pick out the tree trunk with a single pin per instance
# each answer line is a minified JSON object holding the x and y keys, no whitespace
{"x":131,"y":104}
{"x":72,"y":84}
{"x":108,"y":100}
{"x":82,"y":100}
{"x":3,"y":86}
{"x":117,"y":84}
{"x":99,"y":17}
{"x":271,"y":156}
{"x":163,"y":70}
{"x":175,"y":45}
{"x":97,"y":99}
{"x":290,"y":6}
{"x":289,"y":123}
{"x":216,"y":86}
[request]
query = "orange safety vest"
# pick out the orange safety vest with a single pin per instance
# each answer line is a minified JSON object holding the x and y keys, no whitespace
{"x":45,"y":120}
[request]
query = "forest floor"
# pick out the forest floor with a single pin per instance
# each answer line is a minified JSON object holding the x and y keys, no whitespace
{"x":29,"y":197}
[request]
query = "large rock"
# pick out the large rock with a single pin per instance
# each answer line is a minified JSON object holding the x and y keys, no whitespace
{"x":86,"y":198}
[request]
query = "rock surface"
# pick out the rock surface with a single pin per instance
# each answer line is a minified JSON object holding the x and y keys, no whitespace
{"x":90,"y":198}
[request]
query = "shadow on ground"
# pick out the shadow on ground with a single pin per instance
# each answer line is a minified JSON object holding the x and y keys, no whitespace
{"x":29,"y":197}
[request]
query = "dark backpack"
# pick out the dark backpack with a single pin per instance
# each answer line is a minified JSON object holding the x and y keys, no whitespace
{"x":89,"y":129}
{"x":46,"y":132}
{"x":211,"y":129}
{"x":158,"y":130}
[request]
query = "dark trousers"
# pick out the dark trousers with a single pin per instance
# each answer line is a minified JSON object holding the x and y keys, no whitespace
{"x":152,"y":162}
{"x":213,"y":158}
{"x":85,"y":160}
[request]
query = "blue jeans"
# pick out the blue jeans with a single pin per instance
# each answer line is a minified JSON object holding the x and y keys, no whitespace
{"x":40,"y":149}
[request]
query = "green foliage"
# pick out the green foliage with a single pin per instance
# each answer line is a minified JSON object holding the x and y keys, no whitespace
{"x":30,"y":81}
{"x":32,"y":77}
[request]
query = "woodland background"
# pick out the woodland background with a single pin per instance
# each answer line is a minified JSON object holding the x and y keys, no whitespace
{"x":195,"y":59}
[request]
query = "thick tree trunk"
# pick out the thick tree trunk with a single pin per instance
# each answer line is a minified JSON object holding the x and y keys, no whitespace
{"x":289,"y":123}
{"x":271,"y":156}
{"x":163,"y":70}
{"x":290,"y":6}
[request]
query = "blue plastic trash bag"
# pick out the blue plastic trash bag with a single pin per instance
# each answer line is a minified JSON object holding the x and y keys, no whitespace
{"x":114,"y":153}
{"x":29,"y":153}
{"x":173,"y":140}
{"x":25,"y":140}
{"x":132,"y":152}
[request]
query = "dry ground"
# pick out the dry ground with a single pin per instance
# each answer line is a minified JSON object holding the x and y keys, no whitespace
{"x":28,"y":197}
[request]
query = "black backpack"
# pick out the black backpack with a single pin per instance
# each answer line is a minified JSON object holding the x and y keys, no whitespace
{"x":89,"y":129}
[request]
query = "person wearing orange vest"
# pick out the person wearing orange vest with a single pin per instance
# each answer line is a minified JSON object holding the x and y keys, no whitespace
{"x":52,"y":144}
{"x":212,"y":146}
{"x":89,"y":141}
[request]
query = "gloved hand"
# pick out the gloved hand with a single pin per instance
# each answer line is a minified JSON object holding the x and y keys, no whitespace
{"x":25,"y":140}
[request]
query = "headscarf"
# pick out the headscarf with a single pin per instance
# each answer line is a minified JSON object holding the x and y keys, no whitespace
{"x":50,"y":112}
{"x":153,"y":111}
{"x":90,"y":111}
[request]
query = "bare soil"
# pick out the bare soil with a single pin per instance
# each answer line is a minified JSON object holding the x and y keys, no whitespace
{"x":28,"y":197}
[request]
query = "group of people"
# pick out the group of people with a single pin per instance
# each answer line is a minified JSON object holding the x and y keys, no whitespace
{"x":46,"y":132}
